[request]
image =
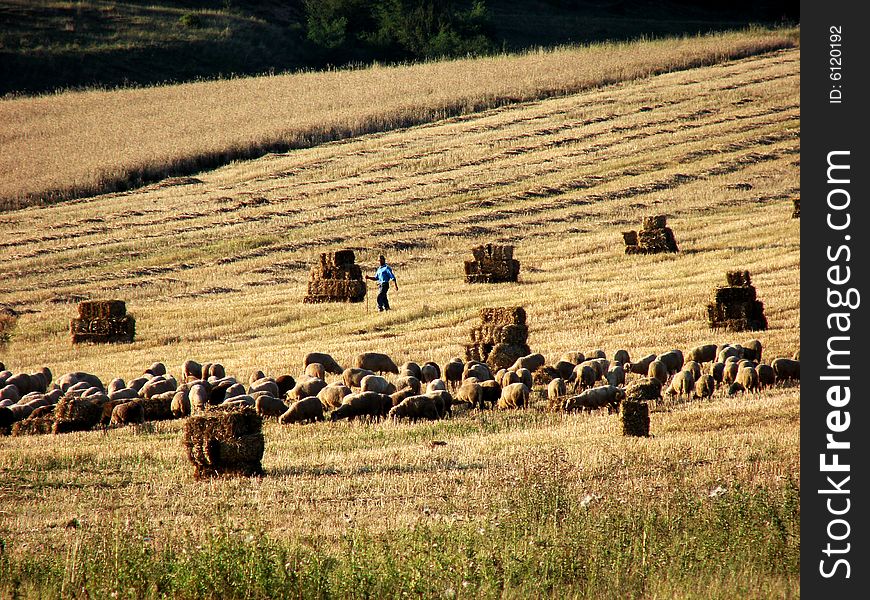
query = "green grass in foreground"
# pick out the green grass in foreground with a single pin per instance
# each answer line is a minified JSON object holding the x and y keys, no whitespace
{"x":540,"y":542}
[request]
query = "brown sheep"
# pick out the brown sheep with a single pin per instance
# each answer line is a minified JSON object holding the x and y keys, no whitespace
{"x":490,"y":391}
{"x":256,"y":376}
{"x":766,"y":376}
{"x":532,"y":362}
{"x":615,"y":376}
{"x":400,"y":395}
{"x":556,"y":391}
{"x":436,"y":385}
{"x":157,"y":368}
{"x":306,"y":410}
{"x":328,"y":363}
{"x":641,"y":367}
{"x":443,"y":402}
{"x":477,"y":369}
{"x":452,"y":372}
{"x":673,"y":360}
{"x":525,"y":377}
{"x":198,"y":398}
{"x":306,"y":389}
{"x":596,"y":398}
{"x":332,"y":395}
{"x":470,"y":393}
{"x":703,"y":354}
{"x":430,"y":372}
{"x":191,"y":370}
{"x":705,"y":386}
{"x":515,"y":395}
{"x":376,"y":362}
{"x":411,"y":368}
{"x":620,"y":357}
{"x":353,"y":376}
{"x":584,"y":376}
{"x":508,"y":378}
{"x":285,"y":384}
{"x":729,"y":375}
{"x":564,"y":368}
{"x":180,"y":405}
{"x":315,"y":370}
{"x":158,"y":385}
{"x":717,"y":370}
{"x":752,"y":350}
{"x":596,"y":354}
{"x":574,"y":357}
{"x":128,"y":413}
{"x":785,"y":369}
{"x":735,"y":388}
{"x":364,"y":404}
{"x":694,"y":367}
{"x":595,"y":364}
{"x":409,"y":381}
{"x":683,"y":384}
{"x":215,"y":370}
{"x":377,"y":384}
{"x":726,"y":351}
{"x":748,"y":378}
{"x":265,"y":384}
{"x":658,"y":370}
{"x":415,"y":408}
{"x":269,"y":406}
{"x":115,"y":385}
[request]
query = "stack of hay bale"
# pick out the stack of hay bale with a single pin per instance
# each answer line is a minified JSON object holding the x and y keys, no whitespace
{"x":492,"y":264}
{"x":655,"y":237}
{"x":336,"y":279}
{"x":634,"y":415}
{"x":501,"y":338}
{"x":225,"y":443}
{"x":735,"y":306}
{"x":796,"y":213}
{"x":102,"y":321}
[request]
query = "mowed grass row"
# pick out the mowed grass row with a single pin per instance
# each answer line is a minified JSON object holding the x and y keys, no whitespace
{"x":217,"y":270}
{"x":79,"y":144}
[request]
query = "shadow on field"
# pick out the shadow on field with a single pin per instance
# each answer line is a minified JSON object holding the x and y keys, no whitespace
{"x":438,"y":466}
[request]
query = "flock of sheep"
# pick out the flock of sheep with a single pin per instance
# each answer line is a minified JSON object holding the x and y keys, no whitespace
{"x":374,"y":387}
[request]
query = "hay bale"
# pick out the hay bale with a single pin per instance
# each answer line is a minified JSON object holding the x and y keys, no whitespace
{"x":504,"y":315}
{"x":492,"y":264}
{"x":796,"y":213}
{"x":34,"y":425}
{"x":77,"y":414}
{"x":630,"y":238}
{"x":726,"y":295}
{"x":654,"y":222}
{"x":225,"y":443}
{"x":738,"y":278}
{"x":102,"y":309}
{"x":504,"y":355}
{"x":645,"y":389}
{"x":635,"y":418}
{"x":157,"y":408}
{"x":103,"y":330}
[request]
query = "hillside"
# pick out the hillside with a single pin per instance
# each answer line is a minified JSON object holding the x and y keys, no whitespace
{"x":47,"y":45}
{"x":508,"y":504}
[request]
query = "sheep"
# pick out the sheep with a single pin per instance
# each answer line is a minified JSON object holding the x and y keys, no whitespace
{"x":766,"y":376}
{"x":415,"y":408}
{"x":436,"y":385}
{"x":128,"y":413}
{"x":315,"y":370}
{"x":452,"y":372}
{"x":673,"y":360}
{"x":400,"y":395}
{"x":596,"y":354}
{"x":38,"y":383}
{"x":745,"y":362}
{"x":233,"y":391}
{"x":729,"y":375}
{"x":328,"y":363}
{"x":198,"y":398}
{"x":735,"y":388}
{"x":158,"y":385}
{"x":124,"y":394}
{"x":584,"y":376}
{"x":514,"y":395}
{"x":682,"y":384}
{"x":726,"y":351}
{"x":620,"y":357}
{"x":574,"y":357}
{"x":285,"y":384}
{"x":786,"y":369}
{"x":694,"y":367}
{"x":411,"y":368}
{"x":332,"y":395}
{"x":704,"y":353}
{"x":532,"y":362}
{"x":595,"y":398}
{"x":595,"y":365}
{"x":270,"y":406}
{"x":717,"y":370}
{"x":215,"y":370}
{"x":430,"y":371}
{"x":10,"y":392}
{"x":752,"y":350}
{"x":115,"y":385}
{"x":180,"y":405}
{"x":408,"y":381}
{"x":641,"y":367}
{"x":191,"y":369}
{"x":157,"y":368}
{"x":556,"y":390}
{"x":20,"y":381}
{"x":564,"y":368}
{"x":306,"y":389}
{"x":508,"y":377}
{"x":375,"y":361}
{"x":265,"y":384}
{"x":367,"y":404}
{"x":748,"y":378}
{"x":305,"y":410}
{"x":353,"y":376}
{"x":615,"y":376}
{"x":525,"y":377}
{"x":470,"y":393}
{"x":490,"y":391}
{"x":705,"y":386}
{"x":138,"y":383}
{"x":377,"y":384}
{"x":658,"y":370}
{"x":443,"y":402}
{"x":477,"y":369}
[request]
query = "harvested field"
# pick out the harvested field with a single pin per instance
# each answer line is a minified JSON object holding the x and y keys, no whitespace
{"x":526,"y":496}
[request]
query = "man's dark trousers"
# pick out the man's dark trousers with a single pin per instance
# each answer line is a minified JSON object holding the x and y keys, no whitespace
{"x":383,"y":303}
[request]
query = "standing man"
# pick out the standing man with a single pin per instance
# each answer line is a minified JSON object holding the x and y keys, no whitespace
{"x":383,"y":276}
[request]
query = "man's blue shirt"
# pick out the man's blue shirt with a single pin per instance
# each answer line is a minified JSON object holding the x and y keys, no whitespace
{"x":384,"y":274}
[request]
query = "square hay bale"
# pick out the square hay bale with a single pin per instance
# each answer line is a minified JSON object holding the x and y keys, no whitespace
{"x":734,"y":294}
{"x":505,"y":253}
{"x":472,"y":352}
{"x":504,"y":355}
{"x":630,"y":238}
{"x":225,"y":443}
{"x":479,"y":253}
{"x":796,"y":213}
{"x":512,"y":334}
{"x":34,"y":425}
{"x":343,"y":258}
{"x":504,"y":315}
{"x":100,"y":330}
{"x":657,"y":240}
{"x":738,"y":278}
{"x":156,"y":409}
{"x":102,"y":309}
{"x":76,"y":414}
{"x":654,"y":222}
{"x":635,"y":418}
